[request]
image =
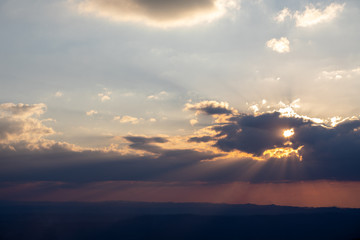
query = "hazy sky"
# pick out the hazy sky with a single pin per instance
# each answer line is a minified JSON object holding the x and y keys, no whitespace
{"x":180,"y":91}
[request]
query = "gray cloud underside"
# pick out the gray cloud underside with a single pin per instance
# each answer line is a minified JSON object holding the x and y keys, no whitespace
{"x":200,"y":139}
{"x":156,"y":10}
{"x":61,"y":164}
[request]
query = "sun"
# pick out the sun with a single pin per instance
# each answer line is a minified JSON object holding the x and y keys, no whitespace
{"x":288,"y":132}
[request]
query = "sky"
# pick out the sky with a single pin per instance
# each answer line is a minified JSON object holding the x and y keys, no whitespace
{"x":231,"y":101}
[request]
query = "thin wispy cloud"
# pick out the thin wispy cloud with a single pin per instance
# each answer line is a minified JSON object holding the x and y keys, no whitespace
{"x":338,"y":75}
{"x":159,"y":96}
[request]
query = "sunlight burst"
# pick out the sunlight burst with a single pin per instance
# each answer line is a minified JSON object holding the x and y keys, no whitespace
{"x":288,"y":132}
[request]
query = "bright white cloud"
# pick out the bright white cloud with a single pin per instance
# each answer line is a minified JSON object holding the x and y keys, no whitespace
{"x":158,"y":13}
{"x":281,"y":45}
{"x":282,"y":15}
{"x":254,"y":108}
{"x":293,"y":108}
{"x":312,"y":15}
{"x":127,"y":119}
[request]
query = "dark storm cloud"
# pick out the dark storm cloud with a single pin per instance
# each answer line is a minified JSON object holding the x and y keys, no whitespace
{"x":255,"y":134}
{"x":327,"y":153}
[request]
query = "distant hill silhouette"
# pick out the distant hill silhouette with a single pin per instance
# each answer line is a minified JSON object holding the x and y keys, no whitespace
{"x":173,"y":221}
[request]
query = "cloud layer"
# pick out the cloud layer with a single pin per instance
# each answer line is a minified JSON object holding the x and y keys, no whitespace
{"x":240,"y":147}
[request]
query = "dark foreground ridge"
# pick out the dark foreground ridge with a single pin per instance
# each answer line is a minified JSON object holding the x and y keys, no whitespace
{"x":133,"y":220}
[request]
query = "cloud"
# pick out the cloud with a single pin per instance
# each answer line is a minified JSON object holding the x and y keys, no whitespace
{"x":255,"y":134}
{"x":152,"y":120}
{"x":312,"y":15}
{"x":59,"y":94}
{"x":60,"y":163}
{"x":105,"y":96}
{"x":127,"y":119}
{"x":159,"y":13}
{"x":282,"y":15}
{"x":158,"y":96}
{"x":281,"y":45}
{"x":21,"y":110}
{"x":145,"y":140}
{"x":193,"y":122}
{"x":209,"y":107}
{"x":146,"y":143}
{"x":338,"y":75}
{"x":201,"y":139}
{"x":327,"y":153}
{"x":26,"y":153}
{"x":19,"y":123}
{"x":322,"y":151}
{"x":91,"y":112}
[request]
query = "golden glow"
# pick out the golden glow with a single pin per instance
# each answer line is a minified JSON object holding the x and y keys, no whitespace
{"x":283,"y":153}
{"x":288,"y":133}
{"x":234,"y":156}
